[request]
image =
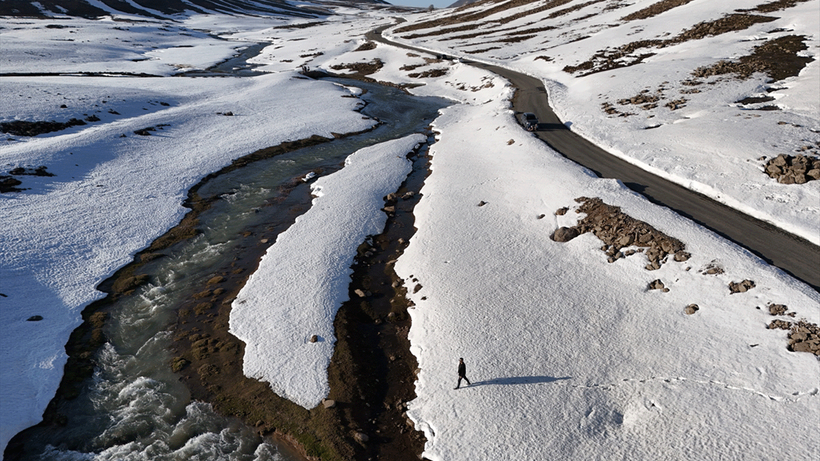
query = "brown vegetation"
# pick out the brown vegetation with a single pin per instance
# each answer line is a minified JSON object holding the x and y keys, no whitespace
{"x":777,"y":58}
{"x":655,"y":9}
{"x":361,"y":68}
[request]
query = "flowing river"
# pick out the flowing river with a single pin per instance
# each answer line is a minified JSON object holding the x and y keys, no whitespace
{"x":136,"y":407}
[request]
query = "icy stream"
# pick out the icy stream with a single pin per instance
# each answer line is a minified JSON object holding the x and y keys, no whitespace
{"x":135,"y":407}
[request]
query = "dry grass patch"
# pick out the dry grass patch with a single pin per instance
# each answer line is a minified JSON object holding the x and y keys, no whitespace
{"x":777,"y":58}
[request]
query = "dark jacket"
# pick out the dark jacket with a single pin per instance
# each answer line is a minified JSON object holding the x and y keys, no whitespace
{"x":462,"y":369}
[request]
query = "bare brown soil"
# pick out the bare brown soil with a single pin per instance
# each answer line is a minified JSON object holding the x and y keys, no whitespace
{"x":623,"y":56}
{"x":776,"y":5}
{"x":366,"y":46}
{"x":431,"y":73}
{"x":27,"y":128}
{"x":777,"y":58}
{"x":655,"y":9}
{"x":473,"y":17}
{"x":360,"y":68}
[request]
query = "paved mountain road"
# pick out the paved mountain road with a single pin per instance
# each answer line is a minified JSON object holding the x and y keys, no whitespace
{"x":795,"y":255}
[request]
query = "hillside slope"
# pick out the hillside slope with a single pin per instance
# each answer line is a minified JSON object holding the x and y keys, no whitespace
{"x":640,"y":78}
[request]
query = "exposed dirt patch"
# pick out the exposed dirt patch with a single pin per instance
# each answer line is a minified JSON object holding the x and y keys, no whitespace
{"x":475,"y":16}
{"x":644,"y":99}
{"x":26,"y":128}
{"x":366,"y":46}
{"x":431,"y":73}
{"x":777,"y":58}
{"x":483,"y":50}
{"x":9,"y":184}
{"x":655,"y":9}
{"x":361,"y":68}
{"x":776,"y":5}
{"x":572,"y":8}
{"x":624,"y":55}
{"x":622,"y":234}
{"x":304,"y":25}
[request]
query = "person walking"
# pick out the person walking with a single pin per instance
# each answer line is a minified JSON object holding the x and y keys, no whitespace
{"x":462,"y":373}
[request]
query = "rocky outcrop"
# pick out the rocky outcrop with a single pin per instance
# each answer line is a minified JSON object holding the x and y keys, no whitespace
{"x":622,"y":235}
{"x":805,"y":337}
{"x":741,"y":287}
{"x":793,"y":169}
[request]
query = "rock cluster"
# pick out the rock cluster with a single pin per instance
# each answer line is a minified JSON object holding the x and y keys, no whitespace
{"x":361,"y":68}
{"x":805,"y":337}
{"x":26,"y":128}
{"x":9,"y":184}
{"x":657,"y":285}
{"x":619,"y":231}
{"x":368,"y":45}
{"x":741,"y":287}
{"x":793,"y":169}
{"x":780,"y":309}
{"x":644,"y":98}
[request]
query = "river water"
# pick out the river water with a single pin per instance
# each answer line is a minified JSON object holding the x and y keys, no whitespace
{"x":135,"y":407}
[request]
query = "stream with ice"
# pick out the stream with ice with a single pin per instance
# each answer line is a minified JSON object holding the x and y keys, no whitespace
{"x":135,"y":407}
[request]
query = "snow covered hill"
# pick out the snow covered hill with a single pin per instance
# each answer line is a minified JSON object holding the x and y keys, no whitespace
{"x":159,"y":9}
{"x":640,"y":78}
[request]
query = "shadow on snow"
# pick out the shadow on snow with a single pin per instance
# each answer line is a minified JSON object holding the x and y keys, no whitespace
{"x":519,"y":380}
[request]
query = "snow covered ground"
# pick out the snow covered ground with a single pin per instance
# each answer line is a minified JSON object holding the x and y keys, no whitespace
{"x":570,"y":356}
{"x":114,"y":191}
{"x":303,"y":278}
{"x":710,"y":143}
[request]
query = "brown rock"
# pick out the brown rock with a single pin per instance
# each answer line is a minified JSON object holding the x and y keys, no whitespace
{"x":779,"y":324}
{"x":625,"y":241}
{"x":741,"y":287}
{"x":681,"y":256}
{"x":691,"y":309}
{"x":656,"y":285}
{"x":777,"y":309}
{"x":564,"y":234}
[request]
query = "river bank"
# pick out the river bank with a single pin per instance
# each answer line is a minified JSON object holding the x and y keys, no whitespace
{"x":201,"y":343}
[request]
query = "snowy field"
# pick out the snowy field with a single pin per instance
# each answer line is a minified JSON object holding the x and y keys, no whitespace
{"x":725,"y":158}
{"x":569,"y":356}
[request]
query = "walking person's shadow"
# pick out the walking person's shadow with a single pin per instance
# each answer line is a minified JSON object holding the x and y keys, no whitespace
{"x":513,"y":380}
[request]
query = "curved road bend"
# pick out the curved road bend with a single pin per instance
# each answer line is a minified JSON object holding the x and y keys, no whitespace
{"x":793,"y":254}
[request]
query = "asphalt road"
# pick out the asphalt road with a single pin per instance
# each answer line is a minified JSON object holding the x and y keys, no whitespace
{"x":793,"y":254}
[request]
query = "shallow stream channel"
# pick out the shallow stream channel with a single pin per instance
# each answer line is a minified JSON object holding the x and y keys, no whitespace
{"x":135,"y":406}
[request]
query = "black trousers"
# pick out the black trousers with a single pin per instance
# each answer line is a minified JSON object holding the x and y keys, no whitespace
{"x":459,"y":381}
